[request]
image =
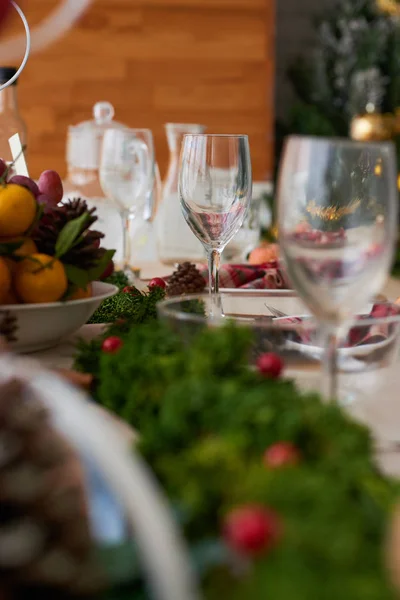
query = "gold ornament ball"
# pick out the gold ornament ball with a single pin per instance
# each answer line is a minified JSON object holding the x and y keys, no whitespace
{"x":390,"y":7}
{"x":372,"y":128}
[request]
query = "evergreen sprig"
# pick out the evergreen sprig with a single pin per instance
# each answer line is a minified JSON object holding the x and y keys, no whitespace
{"x":205,"y":421}
{"x":119,"y":313}
{"x":135,"y":307}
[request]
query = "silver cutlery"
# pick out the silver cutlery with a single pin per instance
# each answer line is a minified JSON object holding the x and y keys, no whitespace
{"x":275,"y":312}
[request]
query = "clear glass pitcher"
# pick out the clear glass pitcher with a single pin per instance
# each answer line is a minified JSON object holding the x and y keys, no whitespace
{"x":176,"y":242}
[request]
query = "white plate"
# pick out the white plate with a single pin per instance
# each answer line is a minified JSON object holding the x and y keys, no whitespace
{"x":42,"y":326}
{"x":258,"y":292}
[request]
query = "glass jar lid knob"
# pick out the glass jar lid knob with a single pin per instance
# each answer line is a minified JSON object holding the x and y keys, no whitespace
{"x":103,"y":112}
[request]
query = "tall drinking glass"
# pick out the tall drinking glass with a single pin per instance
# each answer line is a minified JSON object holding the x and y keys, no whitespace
{"x":127,"y":169}
{"x":215,"y":185}
{"x":337,"y":219}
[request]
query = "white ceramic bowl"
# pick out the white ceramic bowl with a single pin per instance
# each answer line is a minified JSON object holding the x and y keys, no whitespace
{"x":42,"y":326}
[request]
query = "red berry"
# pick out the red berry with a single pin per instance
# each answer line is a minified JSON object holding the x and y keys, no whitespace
{"x":112,"y":344}
{"x":270,"y":365}
{"x":281,"y":454}
{"x":157,"y":282}
{"x":130,"y":289}
{"x":251,"y":529}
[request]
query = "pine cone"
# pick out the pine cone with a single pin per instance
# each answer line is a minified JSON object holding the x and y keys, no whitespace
{"x":187,"y":279}
{"x":87,"y":253}
{"x":8,"y":326}
{"x":45,"y":543}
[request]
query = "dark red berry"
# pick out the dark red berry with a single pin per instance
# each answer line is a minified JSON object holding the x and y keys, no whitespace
{"x":130,"y":289}
{"x":157,"y":282}
{"x":251,"y":529}
{"x":282,"y":454}
{"x":270,"y":365}
{"x":112,"y":344}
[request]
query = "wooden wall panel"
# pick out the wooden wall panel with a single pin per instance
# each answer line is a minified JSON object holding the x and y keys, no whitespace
{"x":205,"y":61}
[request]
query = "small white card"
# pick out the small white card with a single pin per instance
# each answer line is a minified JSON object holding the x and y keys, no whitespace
{"x":20,"y":166}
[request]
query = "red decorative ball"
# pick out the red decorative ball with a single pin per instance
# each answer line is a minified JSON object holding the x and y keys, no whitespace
{"x":157,"y":282}
{"x":112,"y":344}
{"x":251,"y":529}
{"x":282,"y":454}
{"x":270,"y":365}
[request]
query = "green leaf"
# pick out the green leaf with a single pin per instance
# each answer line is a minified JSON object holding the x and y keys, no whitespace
{"x":76,"y":276}
{"x":81,"y":277}
{"x":96,"y":272}
{"x":70,"y":233}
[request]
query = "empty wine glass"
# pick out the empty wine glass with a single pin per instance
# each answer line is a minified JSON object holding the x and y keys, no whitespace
{"x":127,"y":169}
{"x":215,"y":187}
{"x":337,"y":219}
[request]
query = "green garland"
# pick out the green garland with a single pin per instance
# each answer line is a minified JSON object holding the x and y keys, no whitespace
{"x":205,"y":421}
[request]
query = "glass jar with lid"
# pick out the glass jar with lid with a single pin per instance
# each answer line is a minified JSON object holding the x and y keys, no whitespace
{"x":83,"y":160}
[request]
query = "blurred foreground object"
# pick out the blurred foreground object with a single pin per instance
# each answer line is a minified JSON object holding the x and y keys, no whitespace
{"x":55,"y":25}
{"x":45,"y":543}
{"x":55,"y":471}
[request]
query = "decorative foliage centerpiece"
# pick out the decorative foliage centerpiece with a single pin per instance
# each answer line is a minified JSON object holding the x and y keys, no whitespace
{"x":278,"y":494}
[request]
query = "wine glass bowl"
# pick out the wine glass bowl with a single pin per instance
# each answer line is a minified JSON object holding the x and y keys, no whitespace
{"x":337,"y":221}
{"x":127,"y":169}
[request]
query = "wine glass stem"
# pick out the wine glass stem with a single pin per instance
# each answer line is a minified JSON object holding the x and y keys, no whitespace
{"x":329,"y":365}
{"x":214,"y":259}
{"x":126,"y":258}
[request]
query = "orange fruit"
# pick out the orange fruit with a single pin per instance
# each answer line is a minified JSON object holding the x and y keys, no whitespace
{"x":263,"y":254}
{"x":17,"y":210}
{"x":82,"y":293}
{"x":5,"y":279}
{"x":11,"y":264}
{"x":28,"y":246}
{"x":40,"y":278}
